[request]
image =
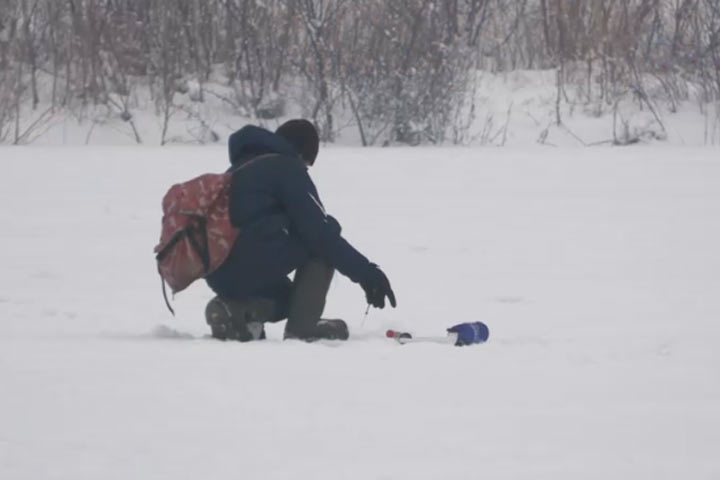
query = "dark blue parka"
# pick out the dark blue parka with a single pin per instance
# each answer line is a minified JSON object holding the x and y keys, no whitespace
{"x":282,"y":222}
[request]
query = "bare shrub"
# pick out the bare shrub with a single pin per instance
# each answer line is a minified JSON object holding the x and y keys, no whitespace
{"x":397,"y":70}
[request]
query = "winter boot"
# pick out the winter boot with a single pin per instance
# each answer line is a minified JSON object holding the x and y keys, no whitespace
{"x":241,"y":321}
{"x":323,"y":330}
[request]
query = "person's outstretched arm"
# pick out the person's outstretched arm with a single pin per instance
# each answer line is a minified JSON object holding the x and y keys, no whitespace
{"x":322,"y":235}
{"x":320,"y":232}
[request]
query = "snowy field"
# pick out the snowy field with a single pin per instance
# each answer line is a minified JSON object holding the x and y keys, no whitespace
{"x":597,"y":270}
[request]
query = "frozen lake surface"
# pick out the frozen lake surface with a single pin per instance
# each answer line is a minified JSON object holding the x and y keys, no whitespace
{"x":597,"y":270}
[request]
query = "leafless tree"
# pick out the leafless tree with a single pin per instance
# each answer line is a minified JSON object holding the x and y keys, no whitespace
{"x":397,"y":70}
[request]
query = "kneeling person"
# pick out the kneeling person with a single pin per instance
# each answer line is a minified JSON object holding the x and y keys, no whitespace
{"x":284,"y":228}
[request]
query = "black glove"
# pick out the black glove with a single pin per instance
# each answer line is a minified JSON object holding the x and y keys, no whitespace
{"x":377,"y":287}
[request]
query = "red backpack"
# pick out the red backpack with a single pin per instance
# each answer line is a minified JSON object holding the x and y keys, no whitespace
{"x":196,"y":236}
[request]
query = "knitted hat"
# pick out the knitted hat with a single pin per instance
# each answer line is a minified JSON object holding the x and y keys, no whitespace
{"x":303,"y":136}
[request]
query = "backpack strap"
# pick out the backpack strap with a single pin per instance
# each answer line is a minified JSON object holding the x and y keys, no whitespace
{"x":203,"y":252}
{"x":167,"y":302}
{"x":175,"y":239}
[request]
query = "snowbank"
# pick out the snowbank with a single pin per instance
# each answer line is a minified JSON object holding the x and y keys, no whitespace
{"x":506,"y":109}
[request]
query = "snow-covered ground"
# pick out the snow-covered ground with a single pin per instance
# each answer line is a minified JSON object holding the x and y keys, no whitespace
{"x":597,"y":270}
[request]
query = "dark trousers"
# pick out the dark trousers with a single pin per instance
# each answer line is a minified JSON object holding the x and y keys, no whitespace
{"x":302,"y":302}
{"x":307,"y":299}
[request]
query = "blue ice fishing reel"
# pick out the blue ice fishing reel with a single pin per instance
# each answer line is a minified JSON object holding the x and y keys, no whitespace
{"x":469,"y":333}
